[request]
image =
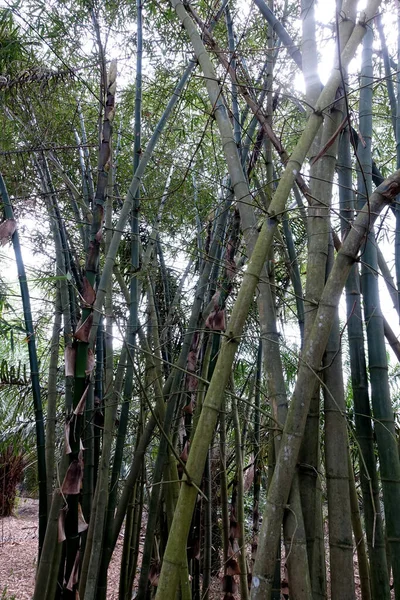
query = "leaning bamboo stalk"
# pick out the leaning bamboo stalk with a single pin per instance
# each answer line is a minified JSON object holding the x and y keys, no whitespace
{"x":34,"y":364}
{"x":279,"y":29}
{"x":169,"y":574}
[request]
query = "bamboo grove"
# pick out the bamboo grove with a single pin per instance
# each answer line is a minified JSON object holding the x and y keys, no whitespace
{"x":200,"y":218}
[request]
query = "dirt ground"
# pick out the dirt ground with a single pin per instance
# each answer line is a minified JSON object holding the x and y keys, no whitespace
{"x":18,"y":548}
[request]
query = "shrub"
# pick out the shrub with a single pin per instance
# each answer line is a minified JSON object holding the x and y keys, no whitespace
{"x":11,"y":473}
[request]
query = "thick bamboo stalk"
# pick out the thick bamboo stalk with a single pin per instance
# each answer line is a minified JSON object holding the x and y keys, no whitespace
{"x":336,"y":467}
{"x":377,"y":358}
{"x":359,"y":381}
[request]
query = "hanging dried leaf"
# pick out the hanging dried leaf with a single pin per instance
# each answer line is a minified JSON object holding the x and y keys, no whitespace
{"x":61,"y":525}
{"x":219,"y":323}
{"x":82,"y":525}
{"x":188,"y":409}
{"x":216,"y":319}
{"x":154,"y":574}
{"x":80,"y":407}
{"x":232,"y":567}
{"x":99,"y":235}
{"x":230,"y":264}
{"x":88,"y":294}
{"x":185,"y":452}
{"x":83,"y":329}
{"x":67,"y":428}
{"x":191,"y":361}
{"x":73,"y":478}
{"x":7,"y":229}
{"x":91,"y":361}
{"x":234,"y":531}
{"x":70,"y":358}
{"x":74,"y":577}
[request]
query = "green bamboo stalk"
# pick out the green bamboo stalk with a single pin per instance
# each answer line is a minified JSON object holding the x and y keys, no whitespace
{"x":318,"y":229}
{"x":160,"y":465}
{"x":257,"y":458}
{"x":388,"y":72}
{"x":136,"y":532}
{"x":47,"y":571}
{"x":51,"y":417}
{"x":234,"y":91}
{"x":378,"y":368}
{"x":123,"y":591}
{"x":244,"y":590}
{"x":359,"y":380}
{"x":397,"y":138}
{"x":91,"y":576}
{"x":61,"y":308}
{"x":34,"y":367}
{"x":171,"y":490}
{"x":362,"y":556}
{"x":336,"y":466}
{"x":134,"y":297}
{"x":309,"y":55}
{"x":224,"y":486}
{"x":276,"y":581}
{"x":207,"y":519}
{"x":281,"y":32}
{"x":111,"y":404}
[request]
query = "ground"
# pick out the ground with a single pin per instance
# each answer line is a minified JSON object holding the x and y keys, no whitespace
{"x":18,"y":547}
